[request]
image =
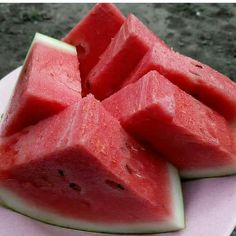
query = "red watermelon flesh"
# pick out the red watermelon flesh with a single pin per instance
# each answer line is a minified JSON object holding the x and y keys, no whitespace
{"x":121,"y":57}
{"x":201,"y":81}
{"x":194,"y":138}
{"x":80,"y":169}
{"x":93,"y":34}
{"x":49,"y":82}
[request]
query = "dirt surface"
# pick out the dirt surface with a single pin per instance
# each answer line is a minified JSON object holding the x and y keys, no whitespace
{"x":206,"y":32}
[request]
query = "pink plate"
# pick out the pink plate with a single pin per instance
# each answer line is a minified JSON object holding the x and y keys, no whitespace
{"x":210,"y":204}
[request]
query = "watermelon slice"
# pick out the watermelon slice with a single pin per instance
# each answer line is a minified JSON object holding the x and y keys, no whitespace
{"x":204,"y":83}
{"x":79,"y":169}
{"x":121,"y":57}
{"x":49,"y":82}
{"x":92,"y":35}
{"x":194,"y":138}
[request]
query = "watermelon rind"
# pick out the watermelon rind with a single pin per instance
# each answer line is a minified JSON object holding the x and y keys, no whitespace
{"x":178,"y":220}
{"x":216,"y":171}
{"x":41,"y":38}
{"x":18,"y":204}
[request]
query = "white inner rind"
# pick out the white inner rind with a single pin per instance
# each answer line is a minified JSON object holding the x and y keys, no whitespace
{"x":12,"y":200}
{"x":178,"y":220}
{"x":41,"y":38}
{"x":209,"y":172}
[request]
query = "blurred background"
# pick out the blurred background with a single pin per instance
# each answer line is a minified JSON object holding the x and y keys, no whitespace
{"x":206,"y":32}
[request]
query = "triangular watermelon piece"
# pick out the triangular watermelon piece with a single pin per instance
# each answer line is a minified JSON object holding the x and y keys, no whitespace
{"x":196,"y":139}
{"x":121,"y":57}
{"x":79,"y":169}
{"x":201,"y":81}
{"x":48,"y":83}
{"x":93,"y":33}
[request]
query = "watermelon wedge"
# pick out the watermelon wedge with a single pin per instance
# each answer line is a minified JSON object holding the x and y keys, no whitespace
{"x":92,"y":35}
{"x":48,"y":83}
{"x":79,"y":169}
{"x":201,"y":81}
{"x":121,"y":57}
{"x":196,"y":139}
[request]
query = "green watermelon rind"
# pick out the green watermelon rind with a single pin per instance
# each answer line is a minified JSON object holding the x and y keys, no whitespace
{"x":51,"y":42}
{"x":12,"y":201}
{"x":209,"y":172}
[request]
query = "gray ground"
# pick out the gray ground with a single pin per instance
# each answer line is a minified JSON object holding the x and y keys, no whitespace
{"x":206,"y":32}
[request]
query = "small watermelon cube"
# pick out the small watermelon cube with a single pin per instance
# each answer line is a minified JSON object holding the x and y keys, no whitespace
{"x":196,"y":139}
{"x":48,"y":83}
{"x":201,"y":81}
{"x":92,"y":35}
{"x":80,"y":169}
{"x":121,"y":57}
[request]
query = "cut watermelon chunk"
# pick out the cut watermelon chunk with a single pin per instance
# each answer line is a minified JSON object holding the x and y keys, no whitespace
{"x":204,"y":83}
{"x":196,"y":139}
{"x":49,"y":82}
{"x":123,"y":54}
{"x":80,"y":169}
{"x":93,"y":34}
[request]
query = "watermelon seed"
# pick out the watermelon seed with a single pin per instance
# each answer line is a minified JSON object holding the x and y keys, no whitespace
{"x":197,"y":65}
{"x":194,"y":73}
{"x":114,"y":185}
{"x":51,"y":74}
{"x":129,"y":169}
{"x":75,"y":187}
{"x":61,"y":172}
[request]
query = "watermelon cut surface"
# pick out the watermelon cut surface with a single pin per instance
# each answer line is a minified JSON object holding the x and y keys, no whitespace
{"x":201,"y":81}
{"x":196,"y":139}
{"x":79,"y":169}
{"x":48,"y":83}
{"x":92,"y":35}
{"x":121,"y":57}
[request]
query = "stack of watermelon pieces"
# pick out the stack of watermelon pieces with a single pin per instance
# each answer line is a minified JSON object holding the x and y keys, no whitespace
{"x":104,"y":123}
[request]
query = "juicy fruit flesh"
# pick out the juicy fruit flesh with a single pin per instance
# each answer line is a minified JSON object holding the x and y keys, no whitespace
{"x":192,"y":135}
{"x":133,"y":194}
{"x":195,"y":78}
{"x":111,"y":85}
{"x":100,"y":26}
{"x":51,"y":190}
{"x":61,"y":68}
{"x":49,"y":82}
{"x":120,"y":58}
{"x":60,"y":170}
